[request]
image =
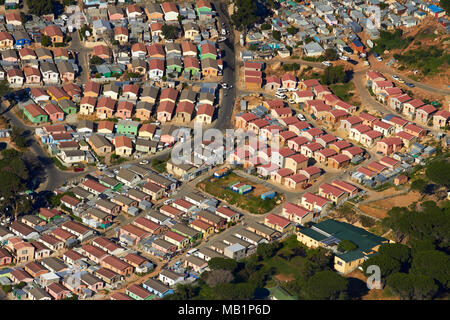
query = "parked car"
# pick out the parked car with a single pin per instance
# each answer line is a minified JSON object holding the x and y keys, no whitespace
{"x":306,"y":186}
{"x":395,"y":77}
{"x":409,"y":84}
{"x":401,"y":80}
{"x":78,"y":169}
{"x":143,"y":162}
{"x":379,"y":59}
{"x":327,"y":63}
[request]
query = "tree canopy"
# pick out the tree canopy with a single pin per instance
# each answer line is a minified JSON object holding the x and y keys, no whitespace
{"x":326,"y":285}
{"x":249,"y":12}
{"x":387,"y":265}
{"x":439,"y":172}
{"x":417,"y":287}
{"x":335,"y":74}
{"x":431,"y":224}
{"x":40,"y":7}
{"x":434,"y":264}
{"x":222,"y":263}
{"x":170,"y":31}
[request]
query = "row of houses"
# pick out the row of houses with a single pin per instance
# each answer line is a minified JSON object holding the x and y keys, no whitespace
{"x":413,"y":109}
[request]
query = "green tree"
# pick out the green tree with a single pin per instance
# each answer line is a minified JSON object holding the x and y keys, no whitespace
{"x":419,"y":185}
{"x":407,"y":286}
{"x":240,"y":291}
{"x":326,"y":285}
{"x":396,"y":251}
{"x":347,"y":245}
{"x":276,"y":35}
{"x":291,"y":30}
{"x":387,"y":265}
{"x":330,"y":54}
{"x":266,"y":26}
{"x":439,"y":172}
{"x":4,"y":88}
{"x":222,"y":263}
{"x":267,"y":250}
{"x":245,"y":14}
{"x":40,"y":7}
{"x":95,"y":60}
{"x":334,"y":74}
{"x":434,"y":264}
{"x":170,"y":32}
{"x":445,"y":4}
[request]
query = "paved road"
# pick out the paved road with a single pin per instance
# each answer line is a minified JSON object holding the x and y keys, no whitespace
{"x":226,"y":109}
{"x":82,"y":56}
{"x":55,"y":177}
{"x":382,"y":68}
{"x":370,"y":103}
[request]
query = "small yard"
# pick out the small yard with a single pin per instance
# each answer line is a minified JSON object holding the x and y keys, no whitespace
{"x":343,"y":90}
{"x":159,"y":165}
{"x":251,"y":201}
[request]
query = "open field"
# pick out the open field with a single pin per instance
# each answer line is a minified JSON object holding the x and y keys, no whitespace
{"x":379,"y":208}
{"x":251,"y":201}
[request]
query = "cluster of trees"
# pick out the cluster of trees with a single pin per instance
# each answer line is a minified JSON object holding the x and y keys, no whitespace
{"x":170,"y":31}
{"x":417,"y":269}
{"x":445,"y":4}
{"x":40,"y":7}
{"x":412,"y":274}
{"x":390,"y":41}
{"x":231,"y":280}
{"x":316,"y":279}
{"x":247,"y":13}
{"x":335,"y":74}
{"x":95,"y":60}
{"x":291,"y":66}
{"x":428,"y":60}
{"x":14,"y":176}
{"x":227,"y":280}
{"x":330,"y":54}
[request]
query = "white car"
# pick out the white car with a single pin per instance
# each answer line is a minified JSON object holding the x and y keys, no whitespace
{"x":167,"y":201}
{"x":380,"y":59}
{"x":116,"y":171}
{"x":395,"y":77}
{"x":301,"y":117}
{"x":327,"y":63}
{"x":282,"y":90}
{"x":281,"y":96}
{"x":143,"y":162}
{"x":291,"y":101}
{"x":345,"y":58}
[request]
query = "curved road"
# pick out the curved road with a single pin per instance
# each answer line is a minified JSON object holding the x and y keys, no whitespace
{"x":54,"y":176}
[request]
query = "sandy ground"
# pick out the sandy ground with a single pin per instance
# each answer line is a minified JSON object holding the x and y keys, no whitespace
{"x":378,"y":209}
{"x":373,"y":294}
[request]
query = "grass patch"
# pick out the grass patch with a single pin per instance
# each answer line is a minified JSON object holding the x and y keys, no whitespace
{"x":159,"y":165}
{"x":58,"y":164}
{"x":342,"y":91}
{"x":391,"y":41}
{"x":428,"y":60}
{"x":249,"y":201}
{"x":116,"y":159}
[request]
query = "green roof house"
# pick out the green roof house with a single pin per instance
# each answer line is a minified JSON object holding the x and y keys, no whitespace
{"x":174,"y":65}
{"x":35,"y":114}
{"x":203,"y":7}
{"x":127,"y":127}
{"x":329,"y":233}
